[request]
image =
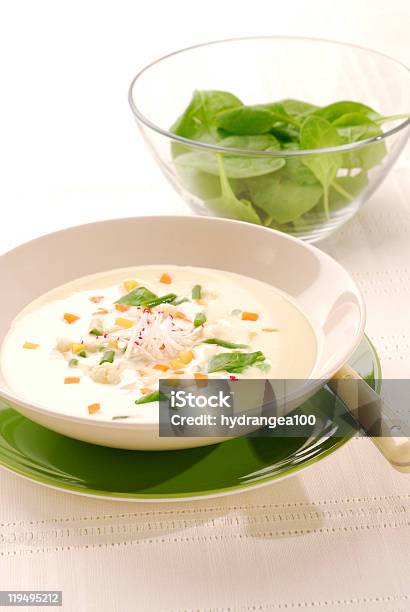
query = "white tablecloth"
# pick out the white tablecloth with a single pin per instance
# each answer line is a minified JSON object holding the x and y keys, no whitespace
{"x":334,"y":537}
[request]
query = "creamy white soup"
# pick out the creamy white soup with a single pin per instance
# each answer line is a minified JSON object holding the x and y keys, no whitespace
{"x":98,"y":345}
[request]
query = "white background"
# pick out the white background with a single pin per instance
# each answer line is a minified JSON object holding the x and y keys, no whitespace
{"x":70,"y":150}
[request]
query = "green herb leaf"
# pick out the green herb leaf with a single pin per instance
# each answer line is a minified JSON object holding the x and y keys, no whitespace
{"x":137,"y":297}
{"x":200,"y":319}
{"x":196,"y":292}
{"x":108,"y":357}
{"x":73,"y":363}
{"x":96,"y":332}
{"x":82,"y":354}
{"x":179,"y":301}
{"x":234,"y":363}
{"x":155,"y":396}
{"x":224,"y":343}
{"x":163,"y":299}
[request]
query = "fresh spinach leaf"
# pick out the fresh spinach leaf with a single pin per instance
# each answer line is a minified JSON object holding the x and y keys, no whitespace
{"x":228,"y":205}
{"x":246,"y":120}
{"x":238,"y":166}
{"x":198,"y":120}
{"x":331,"y":112}
{"x":281,"y":198}
{"x":298,"y":108}
{"x":234,"y":362}
{"x":318,"y":133}
{"x":108,"y":357}
{"x":354,"y":127}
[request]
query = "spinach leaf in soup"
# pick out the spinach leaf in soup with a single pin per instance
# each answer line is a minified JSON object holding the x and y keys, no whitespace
{"x":235,"y":362}
{"x":137,"y":297}
{"x":227,"y":204}
{"x":318,"y":133}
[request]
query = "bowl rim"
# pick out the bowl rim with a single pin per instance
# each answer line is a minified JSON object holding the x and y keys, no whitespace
{"x":15,"y":399}
{"x":279,"y":153}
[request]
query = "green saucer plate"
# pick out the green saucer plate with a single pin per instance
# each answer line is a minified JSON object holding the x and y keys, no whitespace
{"x":240,"y":464}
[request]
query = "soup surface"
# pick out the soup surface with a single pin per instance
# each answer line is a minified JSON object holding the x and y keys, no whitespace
{"x":98,"y":345}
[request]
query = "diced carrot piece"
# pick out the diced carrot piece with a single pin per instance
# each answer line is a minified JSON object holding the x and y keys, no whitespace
{"x":250,"y":316}
{"x":181,"y":315}
{"x":30,"y":345}
{"x":93,"y":408}
{"x":70,"y":318}
{"x":179,"y":372}
{"x":165,"y":278}
{"x":122,"y":307}
{"x":162,"y":367}
{"x":129,"y":285}
{"x":252,"y":335}
{"x":201,"y":379}
{"x":125,"y":323}
{"x":269,"y":329}
{"x":145,"y":390}
{"x":96,"y":298}
{"x":71,"y":380}
{"x":142,"y":373}
{"x":101,"y":311}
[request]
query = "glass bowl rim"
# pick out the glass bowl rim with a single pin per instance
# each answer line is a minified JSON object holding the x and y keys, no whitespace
{"x":249,"y":152}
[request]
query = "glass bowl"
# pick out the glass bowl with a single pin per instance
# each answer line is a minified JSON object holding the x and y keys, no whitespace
{"x":307,"y":193}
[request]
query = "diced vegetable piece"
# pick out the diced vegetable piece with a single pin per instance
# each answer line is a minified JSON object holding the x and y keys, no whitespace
{"x":129,"y":285}
{"x":224,"y":343}
{"x":181,"y":315}
{"x":70,"y":318}
{"x":93,"y":408}
{"x":122,"y":307}
{"x":269,"y":329}
{"x":145,"y":390}
{"x":179,"y":301}
{"x":197,"y":292}
{"x":113,"y":344}
{"x":179,"y":372}
{"x":200,"y":376}
{"x":73,"y":363}
{"x":108,"y":357}
{"x":30,"y":345}
{"x":77,"y":347}
{"x":162,"y":367}
{"x":71,"y":380}
{"x":124,"y":323}
{"x":200,"y":319}
{"x":165,"y":278}
{"x":250,"y":316}
{"x":120,"y":417}
{"x":101,"y":311}
{"x":96,"y":332}
{"x":176,"y":364}
{"x":96,"y":299}
{"x":186,"y":356}
{"x":82,"y":354}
